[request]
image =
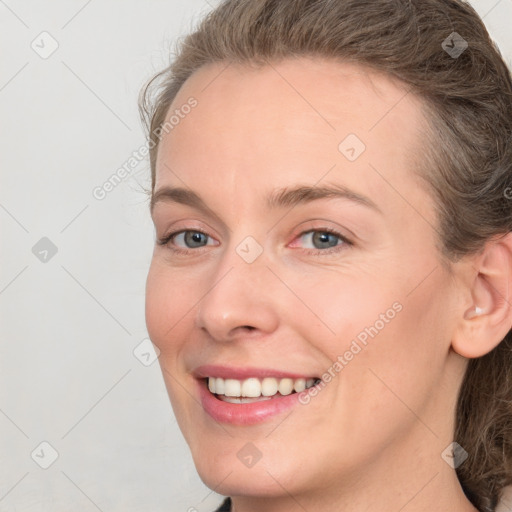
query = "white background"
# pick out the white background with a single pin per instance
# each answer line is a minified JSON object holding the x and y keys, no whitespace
{"x":68,"y":375}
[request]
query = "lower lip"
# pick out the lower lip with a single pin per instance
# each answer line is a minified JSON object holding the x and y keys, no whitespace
{"x":244,"y":414}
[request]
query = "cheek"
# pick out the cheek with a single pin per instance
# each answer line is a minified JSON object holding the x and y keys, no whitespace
{"x":383,"y":337}
{"x":343,"y":307}
{"x":166,"y":307}
{"x":397,"y":375}
{"x":156,"y":306}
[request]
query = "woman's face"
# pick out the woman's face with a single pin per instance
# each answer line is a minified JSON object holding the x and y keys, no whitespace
{"x":267,"y":291}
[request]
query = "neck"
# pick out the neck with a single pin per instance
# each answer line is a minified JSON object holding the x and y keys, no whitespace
{"x":421,"y":496}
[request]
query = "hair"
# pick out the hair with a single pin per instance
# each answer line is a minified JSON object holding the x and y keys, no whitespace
{"x":466,"y":154}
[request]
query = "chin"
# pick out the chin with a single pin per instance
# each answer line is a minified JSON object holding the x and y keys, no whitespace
{"x":222,"y":471}
{"x":235,"y":482}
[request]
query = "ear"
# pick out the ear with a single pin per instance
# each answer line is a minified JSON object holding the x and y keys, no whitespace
{"x":486,"y":316}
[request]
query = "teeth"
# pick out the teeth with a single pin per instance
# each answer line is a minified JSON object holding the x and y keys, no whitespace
{"x":250,"y":388}
{"x":269,"y":386}
{"x":285,"y":386}
{"x":300,"y":384}
{"x":254,"y":388}
{"x":232,"y":387}
{"x":241,"y":400}
{"x":219,"y":385}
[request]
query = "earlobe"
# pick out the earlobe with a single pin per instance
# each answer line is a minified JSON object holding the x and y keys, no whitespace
{"x":488,"y":318}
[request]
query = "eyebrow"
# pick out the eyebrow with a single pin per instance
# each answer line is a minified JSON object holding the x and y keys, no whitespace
{"x":278,"y":198}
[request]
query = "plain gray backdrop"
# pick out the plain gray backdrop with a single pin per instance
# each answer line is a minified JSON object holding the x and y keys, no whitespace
{"x":85,"y":420}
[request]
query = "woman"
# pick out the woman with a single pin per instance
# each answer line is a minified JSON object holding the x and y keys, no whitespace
{"x":330,"y":285}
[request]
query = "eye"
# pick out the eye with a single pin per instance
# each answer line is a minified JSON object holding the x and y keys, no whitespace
{"x":325,"y":241}
{"x":193,"y":239}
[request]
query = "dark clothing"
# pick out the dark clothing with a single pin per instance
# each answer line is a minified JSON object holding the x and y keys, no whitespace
{"x":225,"y":506}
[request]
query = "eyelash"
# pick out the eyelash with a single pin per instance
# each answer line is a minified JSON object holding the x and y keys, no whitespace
{"x":315,"y":252}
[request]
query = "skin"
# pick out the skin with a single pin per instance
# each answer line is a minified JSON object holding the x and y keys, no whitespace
{"x":372,"y":439}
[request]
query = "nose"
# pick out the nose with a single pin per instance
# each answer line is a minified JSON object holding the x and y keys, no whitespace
{"x":238,"y":300}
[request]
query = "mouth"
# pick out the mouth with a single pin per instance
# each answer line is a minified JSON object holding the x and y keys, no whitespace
{"x":247,"y":395}
{"x":254,"y":389}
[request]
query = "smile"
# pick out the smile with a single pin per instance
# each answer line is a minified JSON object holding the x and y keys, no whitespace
{"x":253,"y":389}
{"x":247,"y":395}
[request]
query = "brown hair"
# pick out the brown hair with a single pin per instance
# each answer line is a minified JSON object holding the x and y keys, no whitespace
{"x":467,"y":158}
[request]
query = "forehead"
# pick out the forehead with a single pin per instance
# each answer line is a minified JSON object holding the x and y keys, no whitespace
{"x":291,"y":121}
{"x":327,"y":91}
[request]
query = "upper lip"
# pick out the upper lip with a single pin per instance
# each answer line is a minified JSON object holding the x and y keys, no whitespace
{"x":233,"y":372}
